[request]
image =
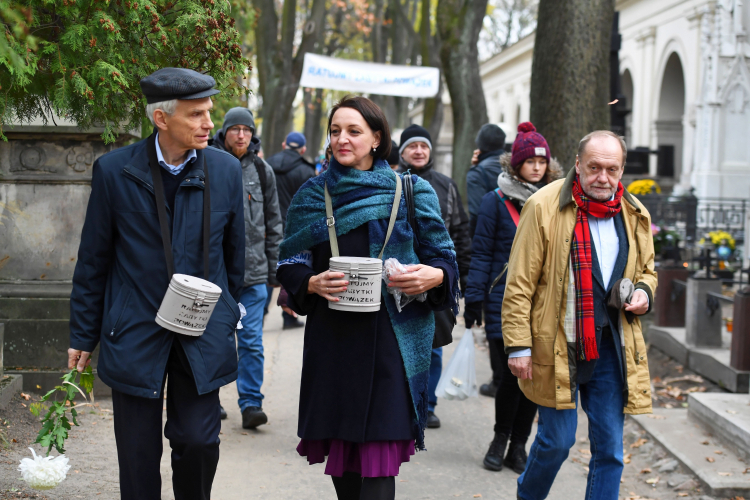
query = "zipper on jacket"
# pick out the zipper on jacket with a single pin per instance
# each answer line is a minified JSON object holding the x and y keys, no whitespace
{"x":119,"y":317}
{"x":145,"y":184}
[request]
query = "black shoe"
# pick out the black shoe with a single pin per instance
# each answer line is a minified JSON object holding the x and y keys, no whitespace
{"x":252,"y":417}
{"x":433,"y":422}
{"x":493,"y":460}
{"x":489,"y":389}
{"x":516,"y":457}
{"x":292,"y":323}
{"x":222,"y":413}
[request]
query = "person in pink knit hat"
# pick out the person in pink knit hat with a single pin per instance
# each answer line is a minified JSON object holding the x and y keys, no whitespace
{"x":526,"y":169}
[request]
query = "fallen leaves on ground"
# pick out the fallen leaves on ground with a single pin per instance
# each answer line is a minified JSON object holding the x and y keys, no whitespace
{"x":725,"y":474}
{"x":653,"y":481}
{"x":585,"y":452}
{"x":718,"y":452}
{"x":646,"y":470}
{"x":656,"y":417}
{"x":639,"y":443}
{"x":710,"y":459}
{"x":705,"y":442}
{"x":25,"y":396}
{"x":626,"y":458}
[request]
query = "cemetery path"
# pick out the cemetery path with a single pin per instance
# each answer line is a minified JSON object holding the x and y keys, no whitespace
{"x":263,"y":464}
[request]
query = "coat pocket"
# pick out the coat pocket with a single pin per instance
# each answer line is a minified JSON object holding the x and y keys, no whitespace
{"x":116,"y":313}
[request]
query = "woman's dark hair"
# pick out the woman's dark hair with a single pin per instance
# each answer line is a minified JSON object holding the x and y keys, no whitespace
{"x":374,"y":117}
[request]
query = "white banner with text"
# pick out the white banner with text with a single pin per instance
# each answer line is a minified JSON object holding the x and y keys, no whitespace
{"x":369,"y":78}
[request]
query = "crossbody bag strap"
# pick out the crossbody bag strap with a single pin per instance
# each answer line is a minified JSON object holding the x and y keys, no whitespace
{"x":206,"y":222}
{"x":394,"y":214}
{"x":161,"y":210}
{"x":331,"y":220}
{"x":509,"y":205}
{"x":161,"y":204}
{"x":331,"y":223}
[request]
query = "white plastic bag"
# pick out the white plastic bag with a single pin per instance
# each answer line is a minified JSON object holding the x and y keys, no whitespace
{"x":459,"y":378}
{"x":392,"y":267}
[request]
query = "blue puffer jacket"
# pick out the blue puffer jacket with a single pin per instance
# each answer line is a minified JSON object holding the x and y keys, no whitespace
{"x":493,"y":239}
{"x":121,"y":274}
{"x":490,"y":250}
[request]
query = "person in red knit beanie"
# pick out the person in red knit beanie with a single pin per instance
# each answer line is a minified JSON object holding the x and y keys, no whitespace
{"x":529,"y":144}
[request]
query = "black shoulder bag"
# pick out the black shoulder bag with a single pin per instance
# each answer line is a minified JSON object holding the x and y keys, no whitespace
{"x":444,"y":320}
{"x":161,"y":210}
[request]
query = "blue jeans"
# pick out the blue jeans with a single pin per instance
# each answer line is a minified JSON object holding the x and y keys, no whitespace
{"x":436,"y":368}
{"x":250,"y":347}
{"x":269,"y":289}
{"x":602,"y":400}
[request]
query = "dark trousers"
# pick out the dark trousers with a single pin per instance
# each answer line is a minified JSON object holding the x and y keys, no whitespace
{"x":192,"y":428}
{"x":495,"y":361}
{"x":514,"y":413}
{"x":352,"y":486}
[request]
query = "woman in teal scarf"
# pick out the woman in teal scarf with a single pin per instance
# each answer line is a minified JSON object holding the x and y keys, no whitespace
{"x":363,"y":395}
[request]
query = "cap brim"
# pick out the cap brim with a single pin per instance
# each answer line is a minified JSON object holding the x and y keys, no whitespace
{"x":200,"y":95}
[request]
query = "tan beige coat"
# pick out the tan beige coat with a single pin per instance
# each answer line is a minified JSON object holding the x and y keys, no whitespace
{"x":536,"y":309}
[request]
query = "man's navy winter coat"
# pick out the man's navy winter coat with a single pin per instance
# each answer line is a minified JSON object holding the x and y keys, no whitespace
{"x":490,"y":251}
{"x":121,"y":275}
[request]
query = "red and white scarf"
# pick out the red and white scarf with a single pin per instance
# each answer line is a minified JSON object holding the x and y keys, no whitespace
{"x":580,"y":255}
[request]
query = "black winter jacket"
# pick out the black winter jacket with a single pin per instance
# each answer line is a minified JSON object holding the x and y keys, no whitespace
{"x":291,"y":171}
{"x":454,"y":215}
{"x":480,"y":180}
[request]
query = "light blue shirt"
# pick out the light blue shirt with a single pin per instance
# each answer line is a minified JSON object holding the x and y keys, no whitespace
{"x":174,"y":170}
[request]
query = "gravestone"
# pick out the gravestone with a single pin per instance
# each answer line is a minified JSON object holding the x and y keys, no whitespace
{"x":702,"y":329}
{"x":45,"y":182}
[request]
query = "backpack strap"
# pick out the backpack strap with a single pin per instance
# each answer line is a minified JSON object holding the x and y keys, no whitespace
{"x":260,"y":167}
{"x":509,"y":205}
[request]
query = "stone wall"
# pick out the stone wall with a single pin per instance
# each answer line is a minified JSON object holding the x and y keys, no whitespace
{"x":45,"y":182}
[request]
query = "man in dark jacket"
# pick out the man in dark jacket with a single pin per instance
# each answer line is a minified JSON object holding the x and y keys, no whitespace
{"x":263,"y":235}
{"x":123,"y":273}
{"x":291,"y":170}
{"x":482,"y":177}
{"x":480,"y":180}
{"x":416,"y":156}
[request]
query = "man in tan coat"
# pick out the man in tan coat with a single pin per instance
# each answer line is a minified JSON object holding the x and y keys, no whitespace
{"x":581,"y":272}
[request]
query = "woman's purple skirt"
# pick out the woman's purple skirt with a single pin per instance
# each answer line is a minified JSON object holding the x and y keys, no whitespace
{"x":371,"y":459}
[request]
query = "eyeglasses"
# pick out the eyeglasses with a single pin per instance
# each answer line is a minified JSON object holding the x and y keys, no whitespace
{"x":237,"y":130}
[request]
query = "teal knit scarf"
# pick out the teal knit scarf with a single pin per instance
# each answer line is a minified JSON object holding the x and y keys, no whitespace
{"x":361,"y":197}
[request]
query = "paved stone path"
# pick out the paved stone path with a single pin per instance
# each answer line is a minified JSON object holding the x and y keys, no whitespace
{"x":263,"y":464}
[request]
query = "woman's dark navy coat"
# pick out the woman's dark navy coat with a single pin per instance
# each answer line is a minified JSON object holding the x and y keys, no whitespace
{"x":490,"y":250}
{"x":121,"y":275}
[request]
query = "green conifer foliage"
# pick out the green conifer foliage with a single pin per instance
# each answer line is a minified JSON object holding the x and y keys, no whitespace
{"x":83,"y":59}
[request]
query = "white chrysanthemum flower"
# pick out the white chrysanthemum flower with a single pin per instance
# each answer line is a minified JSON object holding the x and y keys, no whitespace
{"x":44,"y":473}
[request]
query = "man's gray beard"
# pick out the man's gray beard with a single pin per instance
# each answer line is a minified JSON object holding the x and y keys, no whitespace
{"x":239,"y":153}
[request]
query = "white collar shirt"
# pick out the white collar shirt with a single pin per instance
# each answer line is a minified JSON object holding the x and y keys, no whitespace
{"x":172,"y":169}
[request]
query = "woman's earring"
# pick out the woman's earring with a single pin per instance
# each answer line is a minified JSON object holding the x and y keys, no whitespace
{"x":372,"y":153}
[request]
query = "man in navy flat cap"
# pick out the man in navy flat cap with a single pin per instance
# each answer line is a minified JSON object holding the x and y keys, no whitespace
{"x":123,"y":273}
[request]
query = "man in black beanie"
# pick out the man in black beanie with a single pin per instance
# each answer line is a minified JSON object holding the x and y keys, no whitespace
{"x":263,"y":235}
{"x":416,"y":155}
{"x":482,"y":178}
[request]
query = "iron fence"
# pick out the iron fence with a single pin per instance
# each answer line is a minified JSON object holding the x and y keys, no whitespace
{"x":693,"y":217}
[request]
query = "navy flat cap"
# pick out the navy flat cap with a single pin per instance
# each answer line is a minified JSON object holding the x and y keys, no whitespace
{"x":167,"y":84}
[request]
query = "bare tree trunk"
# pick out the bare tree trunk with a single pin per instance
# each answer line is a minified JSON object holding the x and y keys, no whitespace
{"x":430,"y":50}
{"x":459,"y":23}
{"x":279,"y":68}
{"x":313,"y":102}
{"x":570,"y":72}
